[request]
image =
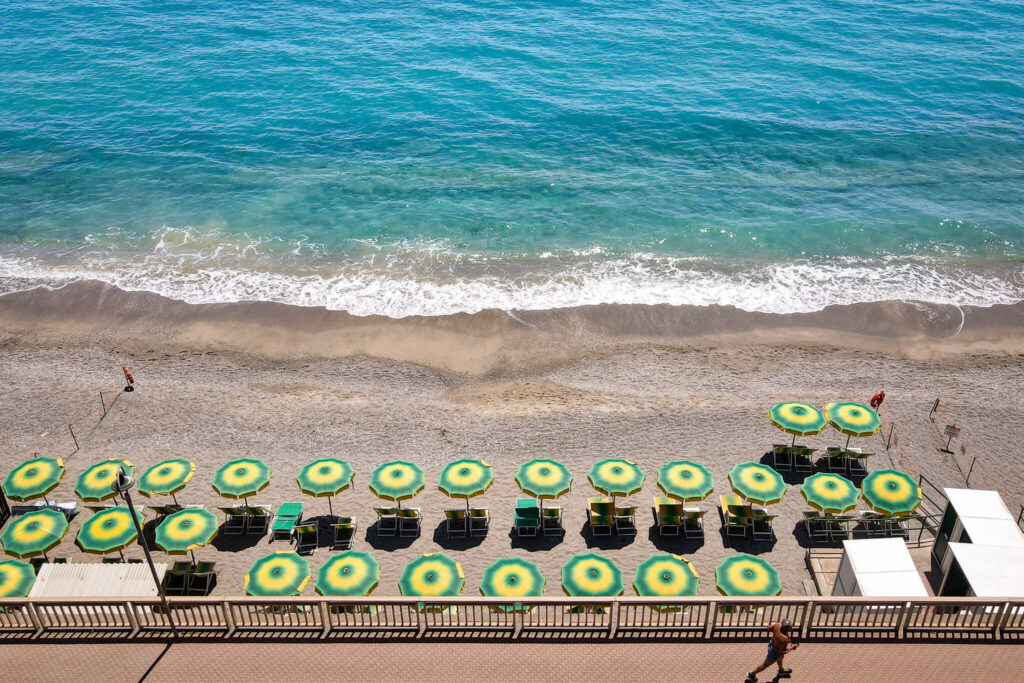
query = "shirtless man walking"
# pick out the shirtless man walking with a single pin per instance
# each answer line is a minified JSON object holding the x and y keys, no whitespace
{"x":778,"y":646}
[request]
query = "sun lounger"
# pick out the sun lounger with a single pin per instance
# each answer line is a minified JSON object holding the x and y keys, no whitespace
{"x":761,"y":525}
{"x":856,"y":461}
{"x":259,"y":519}
{"x":235,"y":520}
{"x":693,"y":522}
{"x":782,"y":457}
{"x":837,"y":525}
{"x":895,"y":527}
{"x":456,"y":522}
{"x":527,"y":518}
{"x":176,"y":578}
{"x":307,"y":538}
{"x":735,"y":515}
{"x":409,"y":522}
{"x":802,"y":462}
{"x":202,"y":578}
{"x":288,"y":517}
{"x":668,"y":516}
{"x":163,"y":511}
{"x":601,"y":514}
{"x":551,"y":522}
{"x":69,"y":509}
{"x":387,"y":521}
{"x":817,"y":527}
{"x":835,"y":459}
{"x":479,"y":521}
{"x":344,"y":532}
{"x":625,"y":520}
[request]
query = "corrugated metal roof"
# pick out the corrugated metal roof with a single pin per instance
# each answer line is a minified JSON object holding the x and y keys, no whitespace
{"x":94,"y":580}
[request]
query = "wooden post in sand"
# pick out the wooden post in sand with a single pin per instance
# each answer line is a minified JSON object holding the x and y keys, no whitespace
{"x":77,"y":447}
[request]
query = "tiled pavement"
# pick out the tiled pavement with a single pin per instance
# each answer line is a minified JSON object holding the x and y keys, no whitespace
{"x":448,"y":662}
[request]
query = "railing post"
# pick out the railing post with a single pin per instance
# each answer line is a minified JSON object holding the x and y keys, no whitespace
{"x":1004,"y":614}
{"x":805,"y":618}
{"x":325,"y":617}
{"x":613,"y":619}
{"x":133,"y":619}
{"x":901,"y":625}
{"x":34,"y":618}
{"x":421,"y":622}
{"x":229,"y":618}
{"x":709,"y":625}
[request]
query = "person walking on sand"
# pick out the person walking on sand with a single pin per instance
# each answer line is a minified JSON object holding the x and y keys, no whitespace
{"x":779,"y":645}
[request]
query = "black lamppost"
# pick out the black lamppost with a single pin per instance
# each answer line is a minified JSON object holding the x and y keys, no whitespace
{"x":123,"y":485}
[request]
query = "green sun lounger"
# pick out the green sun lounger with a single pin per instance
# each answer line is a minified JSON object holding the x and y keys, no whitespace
{"x":288,"y":517}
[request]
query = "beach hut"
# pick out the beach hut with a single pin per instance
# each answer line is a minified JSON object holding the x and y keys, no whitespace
{"x":878,"y":567}
{"x":978,"y":517}
{"x":984,"y":571}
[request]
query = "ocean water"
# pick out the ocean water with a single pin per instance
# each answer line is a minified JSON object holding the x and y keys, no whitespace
{"x":405,"y":158}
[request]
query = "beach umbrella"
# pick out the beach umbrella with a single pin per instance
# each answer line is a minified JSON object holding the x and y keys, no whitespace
{"x":34,"y":533}
{"x":94,"y":485}
{"x":465,"y":479}
{"x":590,"y":575}
{"x":512,"y":577}
{"x":397,"y":480}
{"x":798,"y":419}
{"x":685,"y":480}
{"x":666,"y":576}
{"x":891,"y":492}
{"x":544,"y":478}
{"x":167,"y":478}
{"x":853,"y":419}
{"x":241,"y":478}
{"x":348,"y":574}
{"x":281,"y":573}
{"x":107,"y":530}
{"x":757,"y":483}
{"x":186,"y":530}
{"x":746,"y":575}
{"x":830,"y":492}
{"x":432,"y":575}
{"x":33,"y":478}
{"x":16,"y":578}
{"x":325,"y":477}
{"x":616,"y":477}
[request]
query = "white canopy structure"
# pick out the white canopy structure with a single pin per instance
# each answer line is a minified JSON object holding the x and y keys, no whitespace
{"x":878,"y":567}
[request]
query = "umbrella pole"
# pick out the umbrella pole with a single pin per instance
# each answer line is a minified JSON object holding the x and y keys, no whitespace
{"x":193,"y":554}
{"x":175,"y":499}
{"x":330,"y":506}
{"x":847,"y":447}
{"x":793,"y":444}
{"x":467,"y":507}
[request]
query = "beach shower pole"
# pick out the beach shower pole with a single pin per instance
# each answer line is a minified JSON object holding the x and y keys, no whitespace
{"x":122,"y":486}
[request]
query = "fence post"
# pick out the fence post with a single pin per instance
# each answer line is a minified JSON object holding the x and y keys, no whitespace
{"x":102,"y":403}
{"x":888,"y":441}
{"x":901,"y":625}
{"x":129,"y":610}
{"x":709,"y":625}
{"x":229,"y":618}
{"x":34,"y":618}
{"x":806,"y":619}
{"x":1005,"y":617}
{"x":325,"y":617}
{"x":421,"y":623}
{"x":77,"y":447}
{"x":613,"y":619}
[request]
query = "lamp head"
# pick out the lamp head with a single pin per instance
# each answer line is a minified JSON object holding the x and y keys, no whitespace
{"x":123,"y":481}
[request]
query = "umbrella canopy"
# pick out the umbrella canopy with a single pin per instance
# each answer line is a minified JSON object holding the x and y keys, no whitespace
{"x":891,"y":492}
{"x":830,"y":492}
{"x":186,"y":530}
{"x":465,"y":479}
{"x":616,"y":477}
{"x":166,"y":478}
{"x":543,"y":478}
{"x":94,"y":485}
{"x":853,"y":419}
{"x":666,"y":576}
{"x":746,"y":575}
{"x":512,"y":577}
{"x":685,"y":480}
{"x":325,"y":477}
{"x":280,"y":573}
{"x":432,"y":575}
{"x":34,"y":533}
{"x":16,"y":578}
{"x":241,"y":478}
{"x":33,"y":478}
{"x":798,"y":419}
{"x":757,"y":483}
{"x":397,"y":480}
{"x":106,"y":531}
{"x":348,"y":574}
{"x":590,"y":575}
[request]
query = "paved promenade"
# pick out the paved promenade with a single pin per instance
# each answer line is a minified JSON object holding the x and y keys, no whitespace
{"x":448,"y":662}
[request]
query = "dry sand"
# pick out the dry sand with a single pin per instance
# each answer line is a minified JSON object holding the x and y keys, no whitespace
{"x":648,"y":383}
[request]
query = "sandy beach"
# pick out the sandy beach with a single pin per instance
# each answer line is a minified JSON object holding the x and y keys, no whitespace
{"x":652,"y":384}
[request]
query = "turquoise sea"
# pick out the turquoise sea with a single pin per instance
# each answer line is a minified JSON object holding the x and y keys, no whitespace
{"x":405,"y":158}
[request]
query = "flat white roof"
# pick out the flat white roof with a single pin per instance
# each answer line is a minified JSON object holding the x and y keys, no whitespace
{"x":96,"y":580}
{"x":984,"y":531}
{"x":972,"y":503}
{"x":992,"y":571}
{"x":892,"y":585}
{"x":871,"y":555}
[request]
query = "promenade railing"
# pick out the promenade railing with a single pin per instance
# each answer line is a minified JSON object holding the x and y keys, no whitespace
{"x":842,"y":619}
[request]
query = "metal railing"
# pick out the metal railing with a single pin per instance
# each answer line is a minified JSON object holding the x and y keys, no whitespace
{"x":846,"y":618}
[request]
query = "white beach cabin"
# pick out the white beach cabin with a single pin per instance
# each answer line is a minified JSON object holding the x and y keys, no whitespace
{"x":879,"y":568}
{"x":977,"y":517}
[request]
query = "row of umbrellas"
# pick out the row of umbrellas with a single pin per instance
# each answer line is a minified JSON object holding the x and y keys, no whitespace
{"x":801,"y":419}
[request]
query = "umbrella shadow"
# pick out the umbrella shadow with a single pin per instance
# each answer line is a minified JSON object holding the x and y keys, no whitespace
{"x":233,"y":543}
{"x":534,"y":543}
{"x":387,"y":543}
{"x":791,"y":477}
{"x":677,"y":544}
{"x":455,"y":542}
{"x":746,"y":544}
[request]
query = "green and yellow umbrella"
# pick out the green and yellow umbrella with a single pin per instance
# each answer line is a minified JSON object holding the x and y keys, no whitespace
{"x":34,"y":533}
{"x":277,"y":574}
{"x":590,"y":575}
{"x":325,"y":477}
{"x":543,"y":478}
{"x":167,"y":478}
{"x":685,"y":480}
{"x":830,"y":492}
{"x":348,"y":574}
{"x":33,"y":478}
{"x":16,"y":578}
{"x":465,"y":479}
{"x":512,"y":577}
{"x":397,"y":480}
{"x":616,"y":477}
{"x":798,"y":419}
{"x":108,"y":530}
{"x":665,"y":575}
{"x":432,"y":575}
{"x":746,"y":575}
{"x":241,"y":478}
{"x":757,"y":483}
{"x":891,"y":492}
{"x":95,"y":483}
{"x":853,"y":419}
{"x":186,"y":530}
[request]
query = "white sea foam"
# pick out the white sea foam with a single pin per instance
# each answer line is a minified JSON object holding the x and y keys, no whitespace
{"x":400,"y":280}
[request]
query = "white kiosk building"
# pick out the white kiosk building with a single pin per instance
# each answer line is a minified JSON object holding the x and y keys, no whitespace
{"x":878,"y":568}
